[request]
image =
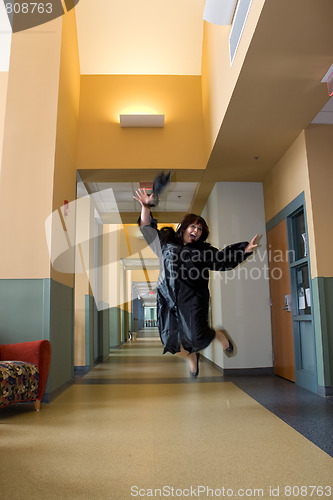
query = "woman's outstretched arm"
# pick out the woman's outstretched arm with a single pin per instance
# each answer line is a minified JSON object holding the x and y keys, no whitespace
{"x":252,"y":245}
{"x":145,"y":201}
{"x":231,"y":256}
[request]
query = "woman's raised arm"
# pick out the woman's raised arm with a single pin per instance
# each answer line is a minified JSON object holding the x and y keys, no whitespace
{"x":145,"y":201}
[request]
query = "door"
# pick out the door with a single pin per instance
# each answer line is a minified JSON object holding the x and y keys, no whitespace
{"x":282,"y":325}
{"x":304,"y":340}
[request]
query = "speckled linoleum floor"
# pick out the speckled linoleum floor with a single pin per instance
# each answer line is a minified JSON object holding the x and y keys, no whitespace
{"x":136,"y":426}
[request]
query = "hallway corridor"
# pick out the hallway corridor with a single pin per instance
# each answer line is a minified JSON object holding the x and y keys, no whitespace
{"x":138,"y":422}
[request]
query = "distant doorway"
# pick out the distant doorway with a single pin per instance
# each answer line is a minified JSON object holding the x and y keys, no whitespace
{"x":150,"y":317}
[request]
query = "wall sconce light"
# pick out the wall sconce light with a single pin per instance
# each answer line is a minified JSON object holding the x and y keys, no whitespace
{"x":141,"y":121}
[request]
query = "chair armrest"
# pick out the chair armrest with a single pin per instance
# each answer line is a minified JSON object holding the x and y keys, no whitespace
{"x":37,"y":352}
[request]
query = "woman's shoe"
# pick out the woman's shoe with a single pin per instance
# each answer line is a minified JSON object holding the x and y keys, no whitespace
{"x":229,"y":351}
{"x":222,"y":335}
{"x":194,"y":375}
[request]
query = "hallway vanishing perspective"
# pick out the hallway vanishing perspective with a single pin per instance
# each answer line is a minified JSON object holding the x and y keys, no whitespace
{"x":137,"y":423}
{"x":235,"y":99}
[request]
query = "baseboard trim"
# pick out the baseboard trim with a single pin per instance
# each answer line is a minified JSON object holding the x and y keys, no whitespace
{"x":326,"y":392}
{"x":241,"y":372}
{"x":50,"y":396}
{"x":80,"y":371}
{"x":249,"y":372}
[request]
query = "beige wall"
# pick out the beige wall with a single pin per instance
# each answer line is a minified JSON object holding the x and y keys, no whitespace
{"x":64,"y":184}
{"x":287,"y":179}
{"x":81,"y":287}
{"x":84,"y":276}
{"x":140,"y":275}
{"x":26,"y":187}
{"x":307,"y":166}
{"x":285,"y":182}
{"x":104,"y":144}
{"x":3,"y":99}
{"x":319,"y":145}
{"x":218,"y":77}
{"x":39,"y":151}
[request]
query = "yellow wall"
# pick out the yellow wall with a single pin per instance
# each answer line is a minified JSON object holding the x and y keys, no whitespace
{"x":104,"y":144}
{"x":39,"y":149}
{"x":84,"y":252}
{"x":81,"y":287}
{"x":114,"y":266}
{"x":64,"y":186}
{"x":3,"y":99}
{"x":285,"y":182}
{"x":26,"y":187}
{"x":287,"y":179}
{"x":319,"y":142}
{"x":218,"y":78}
{"x":140,"y":275}
{"x":134,"y":244}
{"x":307,"y":166}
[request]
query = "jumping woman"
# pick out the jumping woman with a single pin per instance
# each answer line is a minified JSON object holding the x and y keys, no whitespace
{"x":182,"y":290}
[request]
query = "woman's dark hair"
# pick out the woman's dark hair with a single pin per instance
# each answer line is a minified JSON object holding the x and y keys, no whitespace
{"x":191,"y":219}
{"x":167,"y":235}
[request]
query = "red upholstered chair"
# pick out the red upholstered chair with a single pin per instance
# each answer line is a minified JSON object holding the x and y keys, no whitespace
{"x":37,"y":352}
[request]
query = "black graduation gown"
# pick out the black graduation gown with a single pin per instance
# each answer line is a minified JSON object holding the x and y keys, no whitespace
{"x":182,"y":288}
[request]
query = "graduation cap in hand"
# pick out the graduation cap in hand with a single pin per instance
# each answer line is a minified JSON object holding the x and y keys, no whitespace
{"x":159,"y":184}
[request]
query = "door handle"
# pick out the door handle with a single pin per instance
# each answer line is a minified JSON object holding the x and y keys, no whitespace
{"x":287,"y":301}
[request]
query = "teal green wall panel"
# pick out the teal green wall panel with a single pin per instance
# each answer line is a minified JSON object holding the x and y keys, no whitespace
{"x":22,"y":311}
{"x":89,"y":329}
{"x":126,"y":324}
{"x":40,"y":309}
{"x":105,"y":327}
{"x":322,"y":292}
{"x":61,"y":334}
{"x":114,"y":326}
{"x":129,"y":324}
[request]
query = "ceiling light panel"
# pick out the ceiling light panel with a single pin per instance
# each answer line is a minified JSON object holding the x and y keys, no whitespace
{"x":113,"y":197}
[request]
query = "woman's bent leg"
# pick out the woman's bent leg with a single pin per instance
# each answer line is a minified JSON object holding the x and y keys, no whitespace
{"x":191,"y":357}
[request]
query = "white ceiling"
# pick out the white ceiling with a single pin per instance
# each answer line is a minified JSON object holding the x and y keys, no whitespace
{"x":146,"y":291}
{"x":146,"y":37}
{"x":325,"y":116}
{"x":117,"y":197}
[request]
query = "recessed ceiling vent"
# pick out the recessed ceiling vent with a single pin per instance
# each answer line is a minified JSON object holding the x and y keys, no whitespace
{"x":237,"y":28}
